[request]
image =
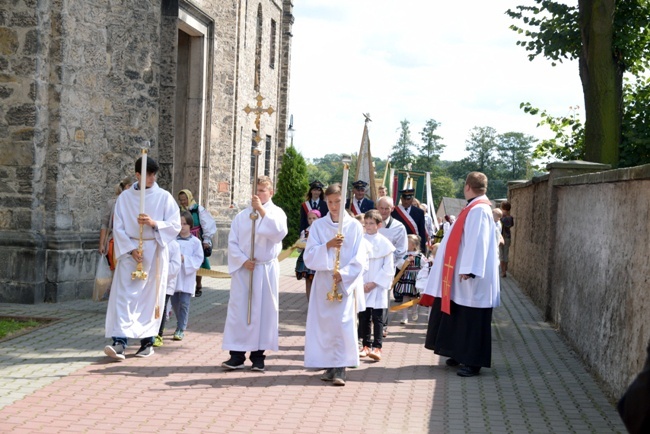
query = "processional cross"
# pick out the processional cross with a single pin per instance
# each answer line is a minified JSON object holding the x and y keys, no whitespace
{"x":258,"y":110}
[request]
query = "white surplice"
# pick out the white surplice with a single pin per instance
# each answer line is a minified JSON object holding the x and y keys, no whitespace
{"x":479,"y":255}
{"x":131,"y":305}
{"x":381,"y":270}
{"x":262,"y":332}
{"x":331,"y":332}
{"x":192,"y":251}
{"x":174,"y":266}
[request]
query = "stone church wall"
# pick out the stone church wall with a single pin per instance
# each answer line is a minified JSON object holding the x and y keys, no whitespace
{"x":595,"y":285}
{"x":82,"y":84}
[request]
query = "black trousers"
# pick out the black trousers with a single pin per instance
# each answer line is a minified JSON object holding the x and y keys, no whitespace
{"x":256,"y":356}
{"x":164,"y":316}
{"x":374,"y":317}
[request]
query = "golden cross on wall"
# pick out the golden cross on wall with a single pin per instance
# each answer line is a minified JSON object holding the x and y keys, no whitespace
{"x":258,"y":110}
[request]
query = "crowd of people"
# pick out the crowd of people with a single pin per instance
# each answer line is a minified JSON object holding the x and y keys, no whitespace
{"x":352,"y":262}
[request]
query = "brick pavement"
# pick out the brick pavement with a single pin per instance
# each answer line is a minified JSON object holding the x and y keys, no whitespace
{"x":57,"y":379}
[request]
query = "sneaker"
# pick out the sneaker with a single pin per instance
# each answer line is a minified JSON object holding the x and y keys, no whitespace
{"x":198,"y":292}
{"x":375,"y":354}
{"x":178,"y":335}
{"x":258,"y":367}
{"x":338,"y":378}
{"x":415,"y":316}
{"x":328,"y":375}
{"x":385,"y":332}
{"x":364,"y":352}
{"x":158,"y":341}
{"x":404,"y":321}
{"x":115,"y":352}
{"x":232,"y":364}
{"x":145,"y":351}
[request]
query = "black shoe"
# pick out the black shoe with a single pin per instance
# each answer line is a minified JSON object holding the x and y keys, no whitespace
{"x":258,"y":366}
{"x":452,"y":362}
{"x":198,"y":292}
{"x":233,"y":364}
{"x":468,"y":371}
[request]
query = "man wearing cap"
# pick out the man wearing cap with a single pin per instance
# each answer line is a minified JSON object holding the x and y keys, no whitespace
{"x":315,"y":200}
{"x":411,"y":217}
{"x":360,"y":203}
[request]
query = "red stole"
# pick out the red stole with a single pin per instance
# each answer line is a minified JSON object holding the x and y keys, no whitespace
{"x":354,"y":207}
{"x":408,"y":220}
{"x":306,"y":206}
{"x":451,"y":254}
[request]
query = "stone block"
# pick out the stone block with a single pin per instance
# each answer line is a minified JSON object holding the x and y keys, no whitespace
{"x":21,"y":115}
{"x":23,"y":19}
{"x":21,"y":154}
{"x":31,"y":45}
{"x":23,"y":66}
{"x":5,"y":92}
{"x":23,"y":134}
{"x":8,"y":41}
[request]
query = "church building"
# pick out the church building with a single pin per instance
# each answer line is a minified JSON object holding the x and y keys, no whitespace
{"x":83,"y":84}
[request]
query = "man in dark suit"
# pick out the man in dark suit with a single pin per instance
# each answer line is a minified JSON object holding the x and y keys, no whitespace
{"x":412,"y":217}
{"x":315,"y":200}
{"x":360,"y":203}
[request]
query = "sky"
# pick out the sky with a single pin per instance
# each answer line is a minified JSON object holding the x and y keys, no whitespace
{"x":453,"y":61}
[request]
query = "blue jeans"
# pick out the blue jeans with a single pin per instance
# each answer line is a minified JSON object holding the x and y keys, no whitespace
{"x":181,"y":306}
{"x":123,"y":341}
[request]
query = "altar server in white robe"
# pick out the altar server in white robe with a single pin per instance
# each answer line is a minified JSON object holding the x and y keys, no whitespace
{"x":262,"y":332}
{"x":133,"y":302}
{"x":377,"y":281}
{"x":331,"y":335}
{"x":395,"y":231}
{"x":463,"y":285}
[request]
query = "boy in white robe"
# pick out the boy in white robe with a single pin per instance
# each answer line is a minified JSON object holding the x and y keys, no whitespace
{"x":270,"y":229}
{"x":331,"y":335}
{"x":174,"y":269}
{"x":186,"y":283}
{"x":377,"y":280}
{"x":133,"y":302}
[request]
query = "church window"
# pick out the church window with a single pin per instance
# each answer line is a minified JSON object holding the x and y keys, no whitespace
{"x":273,"y":37}
{"x":258,"y":49}
{"x":267,"y":157}
{"x":253,"y":147}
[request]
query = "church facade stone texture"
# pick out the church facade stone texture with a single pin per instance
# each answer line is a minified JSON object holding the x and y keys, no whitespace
{"x":84,"y":83}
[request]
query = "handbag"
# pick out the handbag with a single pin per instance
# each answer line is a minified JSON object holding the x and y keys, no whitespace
{"x":103,"y":280}
{"x":207,"y":251}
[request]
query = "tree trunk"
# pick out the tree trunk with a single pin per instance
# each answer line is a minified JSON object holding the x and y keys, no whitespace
{"x":602,"y":82}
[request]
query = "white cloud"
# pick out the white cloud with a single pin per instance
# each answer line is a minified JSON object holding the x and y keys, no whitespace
{"x":456,"y":62}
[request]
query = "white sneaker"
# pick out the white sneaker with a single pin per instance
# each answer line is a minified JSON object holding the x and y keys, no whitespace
{"x":145,"y":352}
{"x":415,"y":316}
{"x":115,"y":352}
{"x":404,"y":321}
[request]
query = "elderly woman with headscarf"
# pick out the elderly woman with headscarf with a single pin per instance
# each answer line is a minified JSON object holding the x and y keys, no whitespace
{"x":204,"y":228}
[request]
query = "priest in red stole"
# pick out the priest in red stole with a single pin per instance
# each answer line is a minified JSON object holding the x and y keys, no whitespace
{"x":463,"y":285}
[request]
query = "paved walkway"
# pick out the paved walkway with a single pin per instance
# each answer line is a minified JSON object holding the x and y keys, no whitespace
{"x":57,"y":380}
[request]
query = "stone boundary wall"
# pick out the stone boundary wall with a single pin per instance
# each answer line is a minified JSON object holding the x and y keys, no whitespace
{"x":579,"y":250}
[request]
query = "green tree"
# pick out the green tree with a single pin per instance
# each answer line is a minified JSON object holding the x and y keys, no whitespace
{"x":608,"y":38}
{"x":431,"y":148}
{"x":569,"y":140}
{"x":442,"y":186}
{"x":514,"y":152}
{"x":482,"y":145}
{"x":402,"y":153}
{"x":291,"y":188}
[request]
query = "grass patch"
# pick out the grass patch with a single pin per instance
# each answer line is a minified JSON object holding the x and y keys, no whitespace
{"x":16,"y":326}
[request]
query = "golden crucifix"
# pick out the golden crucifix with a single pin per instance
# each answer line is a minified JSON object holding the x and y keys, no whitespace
{"x":258,"y":110}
